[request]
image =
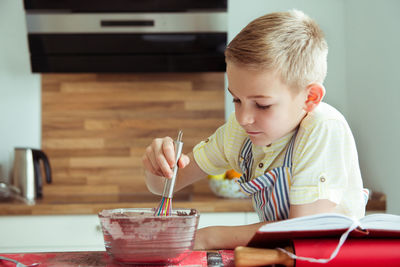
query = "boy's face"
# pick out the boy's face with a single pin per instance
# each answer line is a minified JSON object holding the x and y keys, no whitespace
{"x":265,"y":107}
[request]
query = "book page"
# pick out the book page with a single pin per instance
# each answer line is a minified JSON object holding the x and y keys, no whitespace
{"x":381,"y":221}
{"x":323,"y":221}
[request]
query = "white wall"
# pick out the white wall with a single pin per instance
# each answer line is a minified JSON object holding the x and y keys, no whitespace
{"x":373,"y":82}
{"x":19,"y":89}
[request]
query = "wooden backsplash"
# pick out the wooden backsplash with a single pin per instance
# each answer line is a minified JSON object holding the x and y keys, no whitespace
{"x":95,"y":127}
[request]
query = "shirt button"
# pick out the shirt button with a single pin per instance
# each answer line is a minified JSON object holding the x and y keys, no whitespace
{"x":322,"y":179}
{"x":260,"y":165}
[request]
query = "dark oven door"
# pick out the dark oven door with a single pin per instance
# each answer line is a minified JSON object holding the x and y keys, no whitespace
{"x":126,"y":5}
{"x":126,"y":35}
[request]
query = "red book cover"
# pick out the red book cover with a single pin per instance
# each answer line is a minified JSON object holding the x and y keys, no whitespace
{"x":363,"y":252}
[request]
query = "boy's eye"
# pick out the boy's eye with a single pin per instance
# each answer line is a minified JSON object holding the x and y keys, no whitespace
{"x":263,"y":107}
{"x":236,"y":100}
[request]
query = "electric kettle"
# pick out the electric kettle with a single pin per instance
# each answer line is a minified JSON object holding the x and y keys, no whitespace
{"x":27,"y":173}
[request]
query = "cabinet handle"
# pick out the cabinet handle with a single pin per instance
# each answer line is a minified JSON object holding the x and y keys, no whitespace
{"x":124,"y":23}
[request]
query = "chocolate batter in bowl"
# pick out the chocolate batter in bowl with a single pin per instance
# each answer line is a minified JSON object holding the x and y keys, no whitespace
{"x":136,"y":236}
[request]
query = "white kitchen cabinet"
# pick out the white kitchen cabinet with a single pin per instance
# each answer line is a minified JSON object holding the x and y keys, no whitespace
{"x":251,"y":217}
{"x":52,"y":233}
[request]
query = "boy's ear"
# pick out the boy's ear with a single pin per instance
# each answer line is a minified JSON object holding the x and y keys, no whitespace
{"x":315,"y":93}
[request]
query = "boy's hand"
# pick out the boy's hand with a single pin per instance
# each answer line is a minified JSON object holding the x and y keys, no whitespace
{"x":159,"y":157}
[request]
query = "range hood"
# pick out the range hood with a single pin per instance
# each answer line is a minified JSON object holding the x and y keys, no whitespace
{"x":126,"y":36}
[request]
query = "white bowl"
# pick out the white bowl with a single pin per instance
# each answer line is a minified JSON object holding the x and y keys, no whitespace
{"x":226,"y":188}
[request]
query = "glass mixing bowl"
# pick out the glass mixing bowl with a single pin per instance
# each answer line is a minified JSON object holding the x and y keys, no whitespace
{"x":136,"y":236}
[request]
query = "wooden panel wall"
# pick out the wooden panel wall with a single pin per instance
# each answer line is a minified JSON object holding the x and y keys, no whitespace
{"x":95,"y":127}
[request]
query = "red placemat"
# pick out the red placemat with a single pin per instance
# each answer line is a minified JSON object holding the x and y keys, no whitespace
{"x":228,"y":257}
{"x":89,"y":259}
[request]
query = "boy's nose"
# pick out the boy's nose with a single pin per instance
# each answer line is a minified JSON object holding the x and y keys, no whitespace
{"x":244,"y":117}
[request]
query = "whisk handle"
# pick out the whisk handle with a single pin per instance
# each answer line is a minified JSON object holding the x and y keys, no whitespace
{"x":170,"y":183}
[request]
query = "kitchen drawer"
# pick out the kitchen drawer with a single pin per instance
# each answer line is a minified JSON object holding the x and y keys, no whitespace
{"x":50,"y":233}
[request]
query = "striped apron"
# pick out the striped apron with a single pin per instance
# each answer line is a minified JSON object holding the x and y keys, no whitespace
{"x":270,"y":191}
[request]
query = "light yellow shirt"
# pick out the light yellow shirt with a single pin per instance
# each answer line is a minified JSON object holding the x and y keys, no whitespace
{"x":325,"y":160}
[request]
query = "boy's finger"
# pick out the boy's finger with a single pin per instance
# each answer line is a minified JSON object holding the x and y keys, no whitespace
{"x":184,"y":160}
{"x":150,"y":162}
{"x":164,"y":166}
{"x":168,"y":149}
{"x":157,"y":158}
{"x":153,"y":167}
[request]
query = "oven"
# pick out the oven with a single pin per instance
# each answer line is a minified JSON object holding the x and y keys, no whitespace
{"x":126,"y":36}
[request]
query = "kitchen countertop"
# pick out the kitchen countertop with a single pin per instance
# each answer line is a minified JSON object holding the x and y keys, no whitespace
{"x":199,"y":197}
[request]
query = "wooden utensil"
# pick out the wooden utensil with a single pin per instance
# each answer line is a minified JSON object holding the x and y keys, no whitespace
{"x":247,"y":256}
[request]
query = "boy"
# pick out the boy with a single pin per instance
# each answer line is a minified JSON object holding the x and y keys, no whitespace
{"x":296,"y":153}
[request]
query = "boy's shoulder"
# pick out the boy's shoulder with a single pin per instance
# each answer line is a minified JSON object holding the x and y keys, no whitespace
{"x":323,"y":114}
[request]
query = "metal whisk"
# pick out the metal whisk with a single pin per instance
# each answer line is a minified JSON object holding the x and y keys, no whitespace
{"x":165,"y":206}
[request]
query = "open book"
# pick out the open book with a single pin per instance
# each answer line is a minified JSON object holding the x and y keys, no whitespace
{"x":326,"y":225}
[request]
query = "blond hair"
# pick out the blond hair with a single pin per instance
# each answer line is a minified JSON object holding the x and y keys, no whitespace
{"x":288,"y":42}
